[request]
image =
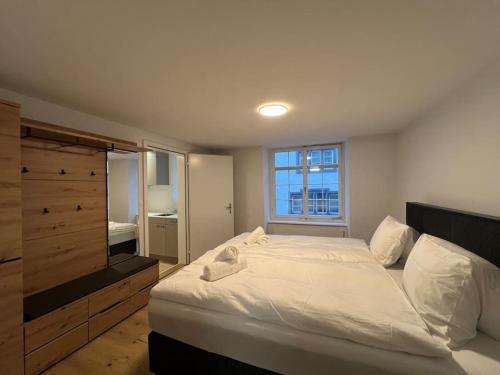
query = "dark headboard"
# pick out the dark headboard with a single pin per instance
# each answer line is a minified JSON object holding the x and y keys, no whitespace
{"x":477,"y":233}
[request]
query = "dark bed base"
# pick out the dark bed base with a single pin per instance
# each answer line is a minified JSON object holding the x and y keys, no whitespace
{"x":127,"y":247}
{"x":169,"y":356}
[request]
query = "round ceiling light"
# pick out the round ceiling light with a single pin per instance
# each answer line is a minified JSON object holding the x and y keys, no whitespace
{"x":273,"y":109}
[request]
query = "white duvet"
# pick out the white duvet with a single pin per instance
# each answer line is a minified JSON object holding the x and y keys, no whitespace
{"x":326,"y":286}
{"x":115,"y":228}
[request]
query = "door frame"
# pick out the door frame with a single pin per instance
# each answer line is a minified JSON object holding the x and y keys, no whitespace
{"x":155,"y":146}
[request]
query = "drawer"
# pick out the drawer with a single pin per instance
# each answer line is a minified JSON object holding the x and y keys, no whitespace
{"x":11,"y":318}
{"x":52,"y":261}
{"x":144,"y":278}
{"x":139,"y":300}
{"x":41,"y":331}
{"x":108,"y":296}
{"x":56,"y":350}
{"x":57,"y":207}
{"x":50,"y":161}
{"x":108,"y":318}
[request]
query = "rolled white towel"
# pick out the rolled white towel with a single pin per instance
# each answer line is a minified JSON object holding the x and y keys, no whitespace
{"x":229,"y":253}
{"x":217,"y":270}
{"x":255,"y":236}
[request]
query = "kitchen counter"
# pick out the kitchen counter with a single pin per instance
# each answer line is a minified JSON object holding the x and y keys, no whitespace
{"x":156,"y":216}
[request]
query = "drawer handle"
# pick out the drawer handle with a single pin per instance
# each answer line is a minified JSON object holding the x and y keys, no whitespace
{"x":79,"y":208}
{"x":107,"y":309}
{"x":24,"y":170}
{"x":45,"y":211}
{"x":62,"y":172}
{"x":92,"y":173}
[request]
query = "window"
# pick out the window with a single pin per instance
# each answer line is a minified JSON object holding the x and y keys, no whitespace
{"x":307,"y":183}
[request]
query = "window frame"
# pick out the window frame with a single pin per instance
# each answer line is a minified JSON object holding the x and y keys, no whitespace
{"x":305,"y":217}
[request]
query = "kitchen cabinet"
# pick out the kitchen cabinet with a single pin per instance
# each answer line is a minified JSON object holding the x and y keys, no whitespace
{"x":171,"y":238}
{"x":158,"y":168}
{"x":163,"y":237}
{"x":157,"y":237}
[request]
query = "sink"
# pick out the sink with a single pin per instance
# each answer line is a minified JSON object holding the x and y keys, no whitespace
{"x":162,"y":214}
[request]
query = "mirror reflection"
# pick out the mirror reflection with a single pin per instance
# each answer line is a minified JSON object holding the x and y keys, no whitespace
{"x":123,"y":206}
{"x":165,"y":175}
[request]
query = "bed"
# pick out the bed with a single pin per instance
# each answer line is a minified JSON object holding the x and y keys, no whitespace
{"x":264,"y":335}
{"x":122,"y":238}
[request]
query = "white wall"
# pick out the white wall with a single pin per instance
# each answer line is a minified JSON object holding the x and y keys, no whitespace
{"x":123,"y":190}
{"x":248,"y":188}
{"x":160,"y":198}
{"x":451,"y":157}
{"x":55,"y":114}
{"x":370,"y":187}
{"x":371,"y":163}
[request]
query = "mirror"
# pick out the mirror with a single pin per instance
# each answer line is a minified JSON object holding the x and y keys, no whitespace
{"x":166,"y":208}
{"x":123,"y":206}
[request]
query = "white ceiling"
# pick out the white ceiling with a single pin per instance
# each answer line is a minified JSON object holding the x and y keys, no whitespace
{"x":196,"y":70}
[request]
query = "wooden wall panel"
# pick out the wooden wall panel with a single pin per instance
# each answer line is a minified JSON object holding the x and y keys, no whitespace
{"x":10,"y":188}
{"x":52,"y":261}
{"x":11,"y":268}
{"x":11,"y":318}
{"x":61,"y":199}
{"x":51,"y":161}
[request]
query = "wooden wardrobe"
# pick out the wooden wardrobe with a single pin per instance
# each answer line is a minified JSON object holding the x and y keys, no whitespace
{"x":11,"y":263}
{"x":57,"y":288}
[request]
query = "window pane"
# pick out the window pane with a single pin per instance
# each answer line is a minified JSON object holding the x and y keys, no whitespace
{"x":323,"y":156}
{"x":323,"y":191}
{"x":281,"y":177}
{"x":281,"y":159}
{"x":296,"y":200}
{"x":296,"y":176}
{"x":288,"y":194}
{"x":296,"y":205}
{"x":295,"y":158}
{"x":330,"y":156}
{"x":314,"y":157}
{"x":282,"y":207}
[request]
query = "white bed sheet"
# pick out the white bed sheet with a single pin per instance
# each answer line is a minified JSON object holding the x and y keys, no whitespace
{"x":121,"y":232}
{"x":396,"y":272}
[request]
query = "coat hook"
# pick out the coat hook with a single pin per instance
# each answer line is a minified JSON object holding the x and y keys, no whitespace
{"x":92,"y":173}
{"x":45,"y":210}
{"x":62,"y":171}
{"x":24,"y":170}
{"x":79,"y":208}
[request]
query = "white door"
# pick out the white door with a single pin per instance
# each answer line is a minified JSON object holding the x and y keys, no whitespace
{"x":211,"y":219}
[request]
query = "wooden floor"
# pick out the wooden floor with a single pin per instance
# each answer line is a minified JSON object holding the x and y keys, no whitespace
{"x":121,"y":350}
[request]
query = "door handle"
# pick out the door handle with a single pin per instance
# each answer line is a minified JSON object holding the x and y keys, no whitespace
{"x":230,"y":208}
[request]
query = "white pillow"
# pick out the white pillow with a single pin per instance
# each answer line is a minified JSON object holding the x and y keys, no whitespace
{"x":389,"y":241}
{"x":412,"y":239}
{"x":441,"y":288}
{"x":487,"y":278}
{"x":489,"y":321}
